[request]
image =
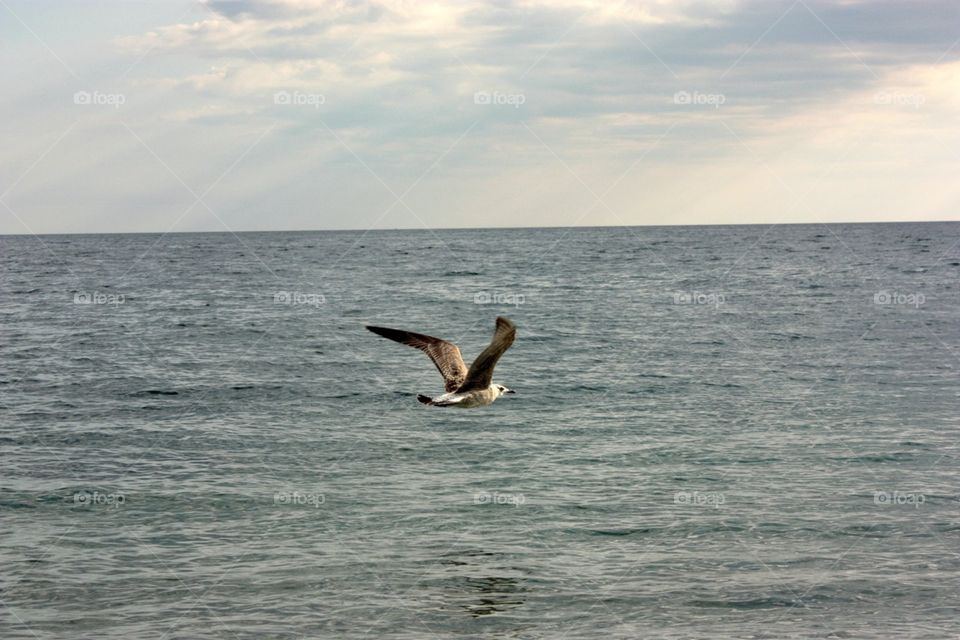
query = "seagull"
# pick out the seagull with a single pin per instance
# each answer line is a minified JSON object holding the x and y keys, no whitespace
{"x":465,"y":388}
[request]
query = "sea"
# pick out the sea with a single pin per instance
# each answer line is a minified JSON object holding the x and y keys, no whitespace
{"x":717,"y":432}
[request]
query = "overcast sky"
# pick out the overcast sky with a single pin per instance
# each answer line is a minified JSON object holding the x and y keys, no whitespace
{"x":307,"y":114}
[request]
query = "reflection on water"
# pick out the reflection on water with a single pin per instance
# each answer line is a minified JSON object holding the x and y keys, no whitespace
{"x":497,"y":593}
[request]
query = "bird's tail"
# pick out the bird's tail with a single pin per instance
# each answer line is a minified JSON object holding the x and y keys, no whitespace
{"x":424,"y":399}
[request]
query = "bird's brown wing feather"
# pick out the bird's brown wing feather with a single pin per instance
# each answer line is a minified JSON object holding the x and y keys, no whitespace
{"x":480,"y":374}
{"x":445,"y":355}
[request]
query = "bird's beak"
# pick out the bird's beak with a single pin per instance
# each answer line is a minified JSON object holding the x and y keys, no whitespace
{"x":509,"y":391}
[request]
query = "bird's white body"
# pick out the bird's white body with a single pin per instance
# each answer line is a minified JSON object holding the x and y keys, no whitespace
{"x":470,"y":399}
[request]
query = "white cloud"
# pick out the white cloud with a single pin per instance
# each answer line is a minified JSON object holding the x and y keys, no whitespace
{"x":398,"y":81}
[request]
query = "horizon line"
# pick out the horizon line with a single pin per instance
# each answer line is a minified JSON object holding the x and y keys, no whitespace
{"x":372,"y":229}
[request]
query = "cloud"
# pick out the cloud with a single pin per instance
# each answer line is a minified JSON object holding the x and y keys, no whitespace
{"x":492,"y":98}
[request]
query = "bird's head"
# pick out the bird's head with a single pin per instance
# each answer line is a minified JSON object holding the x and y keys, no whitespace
{"x":502,"y":390}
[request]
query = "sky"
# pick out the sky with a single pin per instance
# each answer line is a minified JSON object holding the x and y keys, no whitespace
{"x":246,"y":115}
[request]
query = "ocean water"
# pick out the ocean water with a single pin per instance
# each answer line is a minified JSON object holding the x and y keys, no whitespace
{"x":745,"y":432}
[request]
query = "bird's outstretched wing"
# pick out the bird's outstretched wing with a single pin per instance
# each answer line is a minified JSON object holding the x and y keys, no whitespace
{"x":480,"y":374}
{"x":445,"y":355}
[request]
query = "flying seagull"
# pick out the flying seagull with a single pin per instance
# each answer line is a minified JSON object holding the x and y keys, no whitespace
{"x":465,"y":388}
